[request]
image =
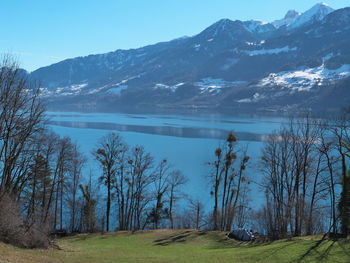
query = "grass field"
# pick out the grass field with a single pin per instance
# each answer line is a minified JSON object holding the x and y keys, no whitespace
{"x":180,"y":246}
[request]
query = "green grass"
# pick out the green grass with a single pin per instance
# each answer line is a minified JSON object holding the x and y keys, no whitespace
{"x":180,"y":246}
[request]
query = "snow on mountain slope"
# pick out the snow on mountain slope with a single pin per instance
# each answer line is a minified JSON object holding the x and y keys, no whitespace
{"x":214,"y":86}
{"x":288,"y":19}
{"x":294,"y":19}
{"x":316,"y":13}
{"x":258,"y":26}
{"x":172,"y":88}
{"x":228,"y":62}
{"x":269,"y":51}
{"x":305,"y":79}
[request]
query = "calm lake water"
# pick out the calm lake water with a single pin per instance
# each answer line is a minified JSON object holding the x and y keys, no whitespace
{"x":188,"y":142}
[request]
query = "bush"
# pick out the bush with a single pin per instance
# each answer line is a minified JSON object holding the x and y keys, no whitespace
{"x":14,"y":231}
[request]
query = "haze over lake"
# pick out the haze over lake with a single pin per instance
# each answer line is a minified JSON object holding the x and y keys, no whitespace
{"x":187,"y":141}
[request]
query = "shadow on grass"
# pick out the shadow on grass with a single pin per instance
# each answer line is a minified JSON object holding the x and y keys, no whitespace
{"x":249,"y":250}
{"x":180,"y":237}
{"x":323,"y":254}
{"x":176,"y":238}
{"x":345,"y":250}
{"x":226,"y":242}
{"x":201,"y":233}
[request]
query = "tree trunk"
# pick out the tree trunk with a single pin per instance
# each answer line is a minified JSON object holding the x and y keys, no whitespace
{"x":108,"y":204}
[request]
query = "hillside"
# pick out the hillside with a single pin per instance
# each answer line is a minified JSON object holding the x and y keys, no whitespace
{"x":180,"y":246}
{"x":300,"y":61}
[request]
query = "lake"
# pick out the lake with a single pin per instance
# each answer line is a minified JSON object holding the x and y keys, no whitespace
{"x":188,"y":142}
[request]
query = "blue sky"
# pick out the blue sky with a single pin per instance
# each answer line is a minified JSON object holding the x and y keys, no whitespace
{"x":42,"y":32}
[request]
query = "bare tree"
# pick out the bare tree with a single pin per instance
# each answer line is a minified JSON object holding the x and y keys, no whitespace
{"x":161,"y":186}
{"x":216,"y":178}
{"x":141,"y":163}
{"x":227,"y":180}
{"x":63,"y":166}
{"x":22,"y":166}
{"x":299,"y":170}
{"x":341,"y":131}
{"x":175,"y":180}
{"x":198,"y":213}
{"x":109,"y":154}
{"x":21,"y":117}
{"x":88,"y":208}
{"x":74,"y":179}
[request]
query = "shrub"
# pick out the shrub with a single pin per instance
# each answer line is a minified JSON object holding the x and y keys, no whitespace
{"x":14,"y":231}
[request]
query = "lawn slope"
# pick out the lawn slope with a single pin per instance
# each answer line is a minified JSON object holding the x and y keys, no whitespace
{"x":180,"y":246}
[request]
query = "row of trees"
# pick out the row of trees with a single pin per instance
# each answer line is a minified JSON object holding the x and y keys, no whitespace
{"x":43,"y":175}
{"x":303,"y":173}
{"x":21,"y":118}
{"x":40,"y":172}
{"x":305,"y":178}
{"x":144,"y":192}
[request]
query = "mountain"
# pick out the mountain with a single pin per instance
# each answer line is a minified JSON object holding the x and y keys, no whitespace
{"x":316,"y":13}
{"x":288,"y":19}
{"x":294,"y":19}
{"x":301,"y":61}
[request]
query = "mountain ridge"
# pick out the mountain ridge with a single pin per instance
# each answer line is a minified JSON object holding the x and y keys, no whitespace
{"x":221,"y":68}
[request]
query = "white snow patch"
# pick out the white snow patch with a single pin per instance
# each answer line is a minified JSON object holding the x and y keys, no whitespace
{"x":305,"y":79}
{"x":179,"y":84}
{"x":197,"y":46}
{"x":173,"y":88}
{"x":161,"y":86}
{"x":214,"y":86}
{"x":68,"y":90}
{"x":256,"y":26}
{"x":328,"y":56}
{"x":115,"y":85}
{"x":78,"y":87}
{"x":269,"y":51}
{"x":255,"y":98}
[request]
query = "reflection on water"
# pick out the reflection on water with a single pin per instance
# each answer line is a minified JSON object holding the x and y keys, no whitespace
{"x":200,"y":118}
{"x":65,"y":115}
{"x":188,"y":142}
{"x":207,"y":120}
{"x":185,"y":132}
{"x":138,"y":117}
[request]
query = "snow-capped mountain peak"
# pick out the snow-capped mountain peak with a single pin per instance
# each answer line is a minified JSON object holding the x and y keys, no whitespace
{"x":294,"y":19}
{"x":288,"y":19}
{"x":323,"y":4}
{"x":231,"y":66}
{"x":316,"y":13}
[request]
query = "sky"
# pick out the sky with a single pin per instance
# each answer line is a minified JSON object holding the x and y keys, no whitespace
{"x":42,"y":32}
